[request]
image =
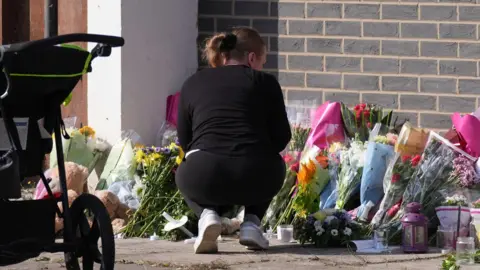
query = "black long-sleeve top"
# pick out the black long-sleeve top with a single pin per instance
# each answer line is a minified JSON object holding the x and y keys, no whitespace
{"x":233,"y":111}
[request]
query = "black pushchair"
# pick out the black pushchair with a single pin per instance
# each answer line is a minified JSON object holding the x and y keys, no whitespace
{"x":38,"y":76}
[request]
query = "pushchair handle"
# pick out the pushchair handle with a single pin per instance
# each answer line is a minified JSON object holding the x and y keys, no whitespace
{"x":111,"y":41}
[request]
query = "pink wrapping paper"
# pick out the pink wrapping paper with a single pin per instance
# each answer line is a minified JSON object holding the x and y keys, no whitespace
{"x":468,"y":127}
{"x":327,"y":125}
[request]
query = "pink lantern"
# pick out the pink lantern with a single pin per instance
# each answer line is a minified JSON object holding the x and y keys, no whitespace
{"x":414,"y":230}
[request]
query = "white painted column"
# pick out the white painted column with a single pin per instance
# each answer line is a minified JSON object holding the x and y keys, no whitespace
{"x":128,"y":90}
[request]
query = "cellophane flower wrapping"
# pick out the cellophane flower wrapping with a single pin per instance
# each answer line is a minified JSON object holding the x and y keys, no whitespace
{"x":328,"y":197}
{"x":300,"y":125}
{"x":120,"y":164}
{"x":399,"y":173}
{"x":351,"y":163}
{"x":312,"y":178}
{"x":377,"y":156}
{"x":453,"y":207}
{"x":434,"y":174}
{"x":82,"y":148}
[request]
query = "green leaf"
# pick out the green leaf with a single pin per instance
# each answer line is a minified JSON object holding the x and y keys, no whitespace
{"x":387,"y":119}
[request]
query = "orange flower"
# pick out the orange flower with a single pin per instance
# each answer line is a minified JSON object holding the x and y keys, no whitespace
{"x":323,"y":160}
{"x":306,"y":172}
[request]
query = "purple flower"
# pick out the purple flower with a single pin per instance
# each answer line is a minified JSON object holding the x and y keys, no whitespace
{"x":311,"y":220}
{"x":465,"y":170}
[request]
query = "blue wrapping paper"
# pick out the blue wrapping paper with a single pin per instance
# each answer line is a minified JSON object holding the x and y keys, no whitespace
{"x":377,"y":158}
{"x":328,"y":197}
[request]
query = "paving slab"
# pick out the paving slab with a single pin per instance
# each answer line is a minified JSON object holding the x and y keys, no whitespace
{"x":135,"y":254}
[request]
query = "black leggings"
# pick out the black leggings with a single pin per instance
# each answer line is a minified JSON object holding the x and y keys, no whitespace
{"x":220,"y":182}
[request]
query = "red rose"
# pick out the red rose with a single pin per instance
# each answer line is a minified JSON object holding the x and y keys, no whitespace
{"x":395,"y":178}
{"x":357,"y":108}
{"x":406,"y":158}
{"x":416,"y":160}
{"x":369,"y":125}
{"x":363,"y":106}
{"x":294,"y":167}
{"x":366,"y":113}
{"x":358,"y":114}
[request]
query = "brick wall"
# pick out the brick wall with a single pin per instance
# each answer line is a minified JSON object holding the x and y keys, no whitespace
{"x":420,"y":57}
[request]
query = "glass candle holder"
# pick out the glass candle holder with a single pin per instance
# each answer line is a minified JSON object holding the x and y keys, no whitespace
{"x":380,"y":239}
{"x":465,"y":250}
{"x":446,"y":239}
{"x":285,"y":233}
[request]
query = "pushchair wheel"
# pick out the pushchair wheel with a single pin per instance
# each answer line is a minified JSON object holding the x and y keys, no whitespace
{"x":90,"y":223}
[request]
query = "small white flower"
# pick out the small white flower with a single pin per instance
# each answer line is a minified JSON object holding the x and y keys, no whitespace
{"x":317,"y":223}
{"x":334,"y":232}
{"x":320,"y":231}
{"x":330,"y":219}
{"x":347,"y":231}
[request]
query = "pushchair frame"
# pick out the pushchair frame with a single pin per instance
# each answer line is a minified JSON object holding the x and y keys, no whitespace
{"x":80,"y":238}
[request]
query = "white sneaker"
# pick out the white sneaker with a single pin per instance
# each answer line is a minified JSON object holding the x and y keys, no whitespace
{"x":209,"y":228}
{"x":252,"y":237}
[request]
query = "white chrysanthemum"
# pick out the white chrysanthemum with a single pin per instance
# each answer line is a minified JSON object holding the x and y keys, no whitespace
{"x":347,"y":231}
{"x":318,"y":225}
{"x":330,"y":219}
{"x":334,"y":232}
{"x":138,"y":190}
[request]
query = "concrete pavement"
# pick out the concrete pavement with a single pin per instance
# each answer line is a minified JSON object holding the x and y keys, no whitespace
{"x":133,"y":254}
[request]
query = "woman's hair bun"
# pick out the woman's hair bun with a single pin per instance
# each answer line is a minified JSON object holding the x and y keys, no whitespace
{"x":228,"y":43}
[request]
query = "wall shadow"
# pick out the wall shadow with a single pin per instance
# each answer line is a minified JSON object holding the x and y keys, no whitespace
{"x":216,"y":16}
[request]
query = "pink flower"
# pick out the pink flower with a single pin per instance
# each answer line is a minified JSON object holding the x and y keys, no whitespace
{"x":392,"y":138}
{"x":287,"y":158}
{"x":395,"y":178}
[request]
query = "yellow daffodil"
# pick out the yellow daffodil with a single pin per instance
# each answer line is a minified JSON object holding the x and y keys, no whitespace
{"x":139,"y":156}
{"x":180,"y":156}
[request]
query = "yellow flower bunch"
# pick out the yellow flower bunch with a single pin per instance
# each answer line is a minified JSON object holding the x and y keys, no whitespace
{"x":87,"y":131}
{"x":335,"y":147}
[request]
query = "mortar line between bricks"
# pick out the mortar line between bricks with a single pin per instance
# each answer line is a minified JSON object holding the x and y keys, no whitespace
{"x":351,"y":55}
{"x":393,"y":3}
{"x":322,"y":36}
{"x":385,"y":92}
{"x":333,"y":72}
{"x":326,"y":19}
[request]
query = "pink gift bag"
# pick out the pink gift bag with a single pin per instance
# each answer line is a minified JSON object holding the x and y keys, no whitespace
{"x":327,"y":125}
{"x":172,"y":108}
{"x":468,"y":127}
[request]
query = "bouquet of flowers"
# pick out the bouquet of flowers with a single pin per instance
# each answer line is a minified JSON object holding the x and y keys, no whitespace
{"x":334,"y":229}
{"x":82,"y":148}
{"x":434,"y":175}
{"x":398,"y":175}
{"x":362,"y":119}
{"x":449,"y":211}
{"x":328,"y":197}
{"x":291,"y":156}
{"x":349,"y":179}
{"x":157,"y":192}
{"x":312,"y":178}
{"x":377,"y":156}
{"x":120,"y":165}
